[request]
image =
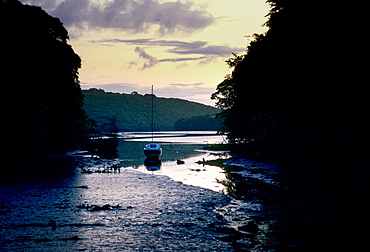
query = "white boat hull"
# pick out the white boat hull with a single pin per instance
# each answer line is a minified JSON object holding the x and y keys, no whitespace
{"x":152,"y":150}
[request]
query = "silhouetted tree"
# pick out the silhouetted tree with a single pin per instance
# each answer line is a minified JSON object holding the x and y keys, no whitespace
{"x":41,"y":97}
{"x":299,"y":84}
{"x":299,"y":96}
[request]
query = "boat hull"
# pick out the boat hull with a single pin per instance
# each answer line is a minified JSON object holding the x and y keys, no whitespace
{"x":152,"y":150}
{"x":153,"y":153}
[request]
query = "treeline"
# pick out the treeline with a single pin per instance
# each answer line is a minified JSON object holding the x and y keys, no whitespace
{"x":298,"y":96}
{"x":41,"y":106}
{"x":112,"y":112}
{"x":207,"y":122}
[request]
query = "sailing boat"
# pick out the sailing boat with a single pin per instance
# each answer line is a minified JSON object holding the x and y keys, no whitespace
{"x":152,"y":150}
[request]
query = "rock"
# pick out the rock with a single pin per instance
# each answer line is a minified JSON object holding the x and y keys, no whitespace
{"x":251,"y":227}
{"x":106,"y":207}
{"x":84,"y":206}
{"x":61,"y":206}
{"x":227,"y":230}
{"x":180,"y":162}
{"x":187,"y":224}
{"x":82,"y":186}
{"x":157,"y":224}
{"x":98,"y":208}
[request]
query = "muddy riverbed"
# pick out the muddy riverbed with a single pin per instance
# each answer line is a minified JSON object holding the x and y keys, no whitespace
{"x":126,"y":211}
{"x":117,"y":204}
{"x":100,"y":208}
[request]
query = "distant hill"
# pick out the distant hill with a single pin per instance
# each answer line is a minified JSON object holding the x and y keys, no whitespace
{"x":205,"y":122}
{"x":132,"y":112}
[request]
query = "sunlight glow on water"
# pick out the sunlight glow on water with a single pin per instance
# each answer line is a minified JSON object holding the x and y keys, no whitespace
{"x":177,"y":145}
{"x":192,"y":173}
{"x":190,"y":137}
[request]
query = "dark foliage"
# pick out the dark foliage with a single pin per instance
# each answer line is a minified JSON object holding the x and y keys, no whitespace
{"x":42,"y":101}
{"x":298,"y":96}
{"x":132,"y":112}
{"x":206,"y":122}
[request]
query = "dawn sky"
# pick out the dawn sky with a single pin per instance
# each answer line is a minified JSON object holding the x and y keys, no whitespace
{"x":180,"y":47}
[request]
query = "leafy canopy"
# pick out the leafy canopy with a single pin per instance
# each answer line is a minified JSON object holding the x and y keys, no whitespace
{"x":42,"y":100}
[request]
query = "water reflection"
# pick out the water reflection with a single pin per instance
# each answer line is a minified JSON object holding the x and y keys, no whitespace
{"x":153,"y":164}
{"x":176,"y":145}
{"x":181,"y":152}
{"x":174,"y":136}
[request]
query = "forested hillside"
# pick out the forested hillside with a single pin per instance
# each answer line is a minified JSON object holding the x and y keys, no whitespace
{"x":206,"y":122}
{"x":132,"y":112}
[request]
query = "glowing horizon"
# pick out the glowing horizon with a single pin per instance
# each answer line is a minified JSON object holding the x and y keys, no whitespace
{"x":180,"y":47}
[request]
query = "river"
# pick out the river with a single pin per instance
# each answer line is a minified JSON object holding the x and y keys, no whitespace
{"x":183,"y":146}
{"x":98,"y":208}
{"x":114,"y":201}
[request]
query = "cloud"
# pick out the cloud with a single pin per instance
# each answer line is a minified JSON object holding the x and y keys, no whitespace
{"x":181,"y":47}
{"x":181,"y":59}
{"x":135,"y":16}
{"x":208,"y":60}
{"x":187,"y":85}
{"x":221,"y":51}
{"x":153,"y":42}
{"x":197,"y":92}
{"x":207,"y":53}
{"x":150,"y":61}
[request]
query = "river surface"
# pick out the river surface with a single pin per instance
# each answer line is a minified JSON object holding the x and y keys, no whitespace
{"x":116,"y":204}
{"x":115,"y":201}
{"x":181,"y":152}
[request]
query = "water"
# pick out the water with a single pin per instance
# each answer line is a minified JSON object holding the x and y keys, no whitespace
{"x":143,"y":207}
{"x":126,"y":211}
{"x":131,"y":209}
{"x":186,"y":146}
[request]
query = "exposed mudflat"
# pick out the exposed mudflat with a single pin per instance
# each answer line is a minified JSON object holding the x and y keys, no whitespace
{"x":122,"y":211}
{"x":105,"y":207}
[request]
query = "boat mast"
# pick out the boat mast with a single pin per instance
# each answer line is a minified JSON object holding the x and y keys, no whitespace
{"x":152,"y":115}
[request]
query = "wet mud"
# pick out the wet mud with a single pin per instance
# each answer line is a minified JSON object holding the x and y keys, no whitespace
{"x":122,"y":211}
{"x":105,"y":207}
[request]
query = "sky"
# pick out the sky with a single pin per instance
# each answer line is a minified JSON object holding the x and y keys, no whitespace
{"x":179,"y":46}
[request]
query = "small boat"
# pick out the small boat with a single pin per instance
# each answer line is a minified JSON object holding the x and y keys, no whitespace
{"x":152,"y":150}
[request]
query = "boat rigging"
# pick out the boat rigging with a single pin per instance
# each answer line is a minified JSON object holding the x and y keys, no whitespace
{"x":152,"y":150}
